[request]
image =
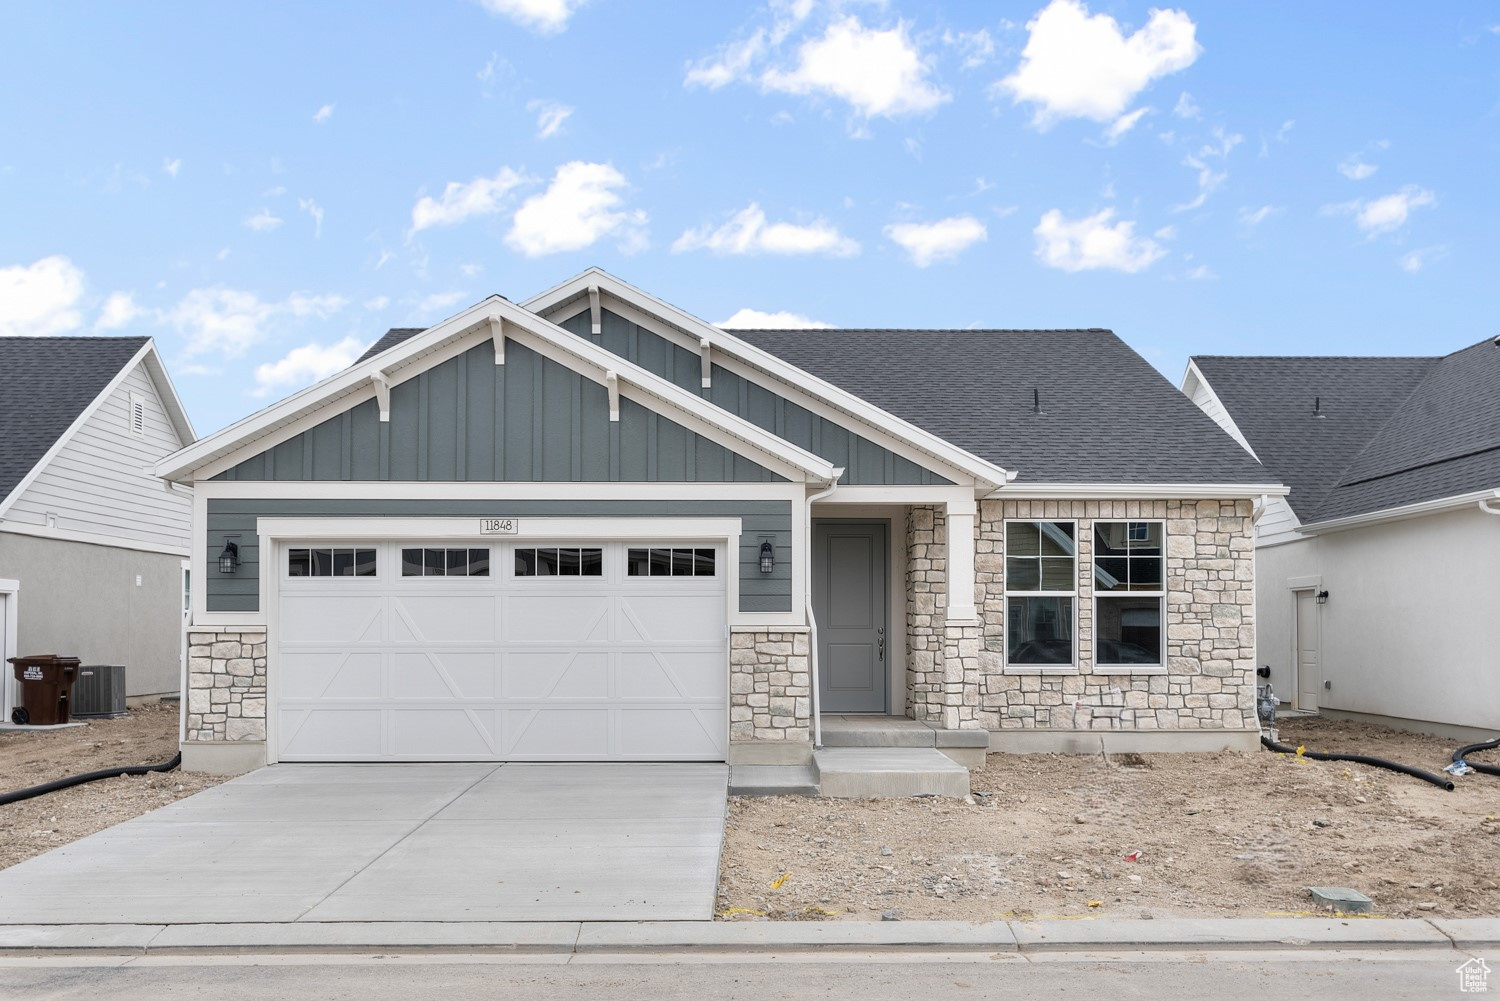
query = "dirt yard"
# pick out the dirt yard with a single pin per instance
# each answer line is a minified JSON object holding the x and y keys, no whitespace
{"x":27,"y":758}
{"x":1218,"y":835}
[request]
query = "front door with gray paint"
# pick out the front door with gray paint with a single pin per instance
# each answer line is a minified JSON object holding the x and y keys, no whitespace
{"x":850,"y":602}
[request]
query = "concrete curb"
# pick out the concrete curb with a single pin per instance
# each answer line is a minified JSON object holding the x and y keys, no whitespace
{"x":604,"y":937}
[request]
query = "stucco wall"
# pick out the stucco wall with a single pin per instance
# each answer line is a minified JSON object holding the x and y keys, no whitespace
{"x":82,"y":600}
{"x":1411,"y":629}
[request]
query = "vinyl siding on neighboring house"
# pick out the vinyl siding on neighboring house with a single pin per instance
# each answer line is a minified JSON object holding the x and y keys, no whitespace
{"x":1208,"y":402}
{"x":101,"y":482}
{"x":770,"y":519}
{"x":528,"y":420}
{"x":864,"y":461}
{"x":1278,"y":525}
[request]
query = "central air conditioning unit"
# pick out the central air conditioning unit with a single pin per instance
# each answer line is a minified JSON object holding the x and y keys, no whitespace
{"x":99,"y":692}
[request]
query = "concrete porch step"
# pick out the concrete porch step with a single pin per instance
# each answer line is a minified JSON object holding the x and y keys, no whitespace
{"x":773,"y":780}
{"x":865,"y":772}
{"x":967,"y":747}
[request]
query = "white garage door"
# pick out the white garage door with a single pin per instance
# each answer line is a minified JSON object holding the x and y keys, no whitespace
{"x":507,"y":652}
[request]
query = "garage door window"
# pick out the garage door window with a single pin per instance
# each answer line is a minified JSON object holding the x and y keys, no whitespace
{"x":563,"y":561}
{"x":670,"y":563}
{"x":445,"y":562}
{"x":330,"y":563}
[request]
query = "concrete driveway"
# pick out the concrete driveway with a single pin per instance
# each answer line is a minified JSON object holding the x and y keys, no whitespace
{"x":439,"y":842}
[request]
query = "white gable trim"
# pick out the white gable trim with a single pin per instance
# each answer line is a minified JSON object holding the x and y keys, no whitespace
{"x":296,"y":413}
{"x":1193,"y":380}
{"x":695,"y":332}
{"x":169,"y":401}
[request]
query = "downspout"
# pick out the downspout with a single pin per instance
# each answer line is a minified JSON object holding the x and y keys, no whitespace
{"x":1484,"y":505}
{"x":1260,"y":510}
{"x":812,"y":620}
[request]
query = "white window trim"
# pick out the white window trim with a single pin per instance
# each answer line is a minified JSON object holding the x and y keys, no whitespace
{"x":285,"y":558}
{"x":1007,"y":594}
{"x":1160,"y":595}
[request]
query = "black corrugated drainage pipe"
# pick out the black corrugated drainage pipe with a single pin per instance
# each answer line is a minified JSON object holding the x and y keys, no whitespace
{"x":1463,"y":753}
{"x":78,"y":780}
{"x":1362,"y":759}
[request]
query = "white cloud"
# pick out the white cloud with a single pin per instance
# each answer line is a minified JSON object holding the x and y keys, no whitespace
{"x":976,"y":47}
{"x":481,"y":196}
{"x":1201,"y":273}
{"x":274,"y":192}
{"x":937,"y":241}
{"x":119,"y":310}
{"x":879,"y":72}
{"x":581,"y":206}
{"x":747,"y":232}
{"x":171,"y":167}
{"x":40,"y":299}
{"x":232,"y":321}
{"x":378,"y":303}
{"x":306,"y":365}
{"x":315,"y":210}
{"x":1186,"y":107}
{"x":549,"y":118}
{"x":323,"y":114}
{"x":223,"y":254}
{"x":440,"y":300}
{"x":470,"y":270}
{"x":1385,"y":215}
{"x":1416,"y":260}
{"x":1209,"y":179}
{"x":755,"y":319}
{"x":1120,"y":126}
{"x":546,"y":17}
{"x":732,"y":63}
{"x":1355,"y":168}
{"x":262,"y":221}
{"x":1254,"y":217}
{"x":1081,"y":66}
{"x":1092,"y":243}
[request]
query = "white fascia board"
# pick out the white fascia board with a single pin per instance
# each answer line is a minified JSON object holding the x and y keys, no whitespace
{"x":78,"y":422}
{"x":171,"y":402}
{"x":1194,"y":376}
{"x":87,"y":538}
{"x":451,"y":337}
{"x":528,"y":529}
{"x":987,"y":473}
{"x":1401,"y":513}
{"x":498,"y":491}
{"x":1138,"y":491}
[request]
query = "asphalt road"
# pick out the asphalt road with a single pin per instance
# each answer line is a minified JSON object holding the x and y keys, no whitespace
{"x":1222,"y":976}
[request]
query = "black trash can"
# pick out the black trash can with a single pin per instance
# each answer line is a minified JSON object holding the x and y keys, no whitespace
{"x":46,"y":688}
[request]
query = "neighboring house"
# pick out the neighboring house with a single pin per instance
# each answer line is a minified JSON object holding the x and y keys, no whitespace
{"x":92,"y":542}
{"x":592,"y":526}
{"x":1377,"y":579}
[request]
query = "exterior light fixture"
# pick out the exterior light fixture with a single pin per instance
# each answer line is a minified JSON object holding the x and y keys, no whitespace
{"x":1322,"y":597}
{"x":229,"y":559}
{"x":767,"y":558}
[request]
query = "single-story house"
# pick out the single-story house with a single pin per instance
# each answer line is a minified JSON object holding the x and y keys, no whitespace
{"x":93,"y":544}
{"x":592,"y":526}
{"x":1377,"y":583}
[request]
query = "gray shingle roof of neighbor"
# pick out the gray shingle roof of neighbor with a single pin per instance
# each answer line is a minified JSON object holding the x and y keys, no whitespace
{"x":389,"y":339}
{"x":45,"y":383}
{"x":1393,"y":431}
{"x":1106,"y":415}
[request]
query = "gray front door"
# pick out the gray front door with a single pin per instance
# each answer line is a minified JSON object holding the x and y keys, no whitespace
{"x":850,"y":602}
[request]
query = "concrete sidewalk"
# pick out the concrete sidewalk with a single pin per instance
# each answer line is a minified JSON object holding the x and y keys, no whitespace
{"x":1475,"y":935}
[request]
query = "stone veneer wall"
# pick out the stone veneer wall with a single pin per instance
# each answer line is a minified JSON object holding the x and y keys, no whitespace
{"x":1209,"y":682}
{"x":926,"y":613}
{"x":227,"y":684}
{"x":770,"y":686}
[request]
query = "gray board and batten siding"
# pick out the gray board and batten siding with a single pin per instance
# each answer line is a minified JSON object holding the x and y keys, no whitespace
{"x":864,"y":462}
{"x":530,"y":420}
{"x":759,"y":520}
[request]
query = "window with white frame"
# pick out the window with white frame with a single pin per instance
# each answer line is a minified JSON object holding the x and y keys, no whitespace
{"x":1129,"y":591}
{"x":1041,"y":590}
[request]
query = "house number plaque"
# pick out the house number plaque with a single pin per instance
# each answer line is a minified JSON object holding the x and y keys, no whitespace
{"x":497,"y":526}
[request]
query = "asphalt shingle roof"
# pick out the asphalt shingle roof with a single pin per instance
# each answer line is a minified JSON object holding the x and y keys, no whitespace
{"x":1106,"y":415}
{"x":1393,"y":431}
{"x":45,"y":383}
{"x":390,"y":339}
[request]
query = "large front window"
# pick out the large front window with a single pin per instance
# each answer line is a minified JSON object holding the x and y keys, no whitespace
{"x":1041,"y":584}
{"x":1129,"y":587}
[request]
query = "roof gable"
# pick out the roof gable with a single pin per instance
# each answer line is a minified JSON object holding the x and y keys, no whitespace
{"x":46,"y":385}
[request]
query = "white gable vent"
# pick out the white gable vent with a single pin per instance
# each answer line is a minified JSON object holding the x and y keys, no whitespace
{"x":137,"y":415}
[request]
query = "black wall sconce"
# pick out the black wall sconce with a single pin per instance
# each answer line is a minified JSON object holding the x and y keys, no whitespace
{"x":229,"y":559}
{"x":1322,"y":597}
{"x":767,"y":558}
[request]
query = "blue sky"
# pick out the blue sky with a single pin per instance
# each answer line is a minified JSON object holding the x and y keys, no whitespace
{"x":266,"y":188}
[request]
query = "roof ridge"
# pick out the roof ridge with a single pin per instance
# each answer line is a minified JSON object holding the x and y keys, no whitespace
{"x":1376,"y":433}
